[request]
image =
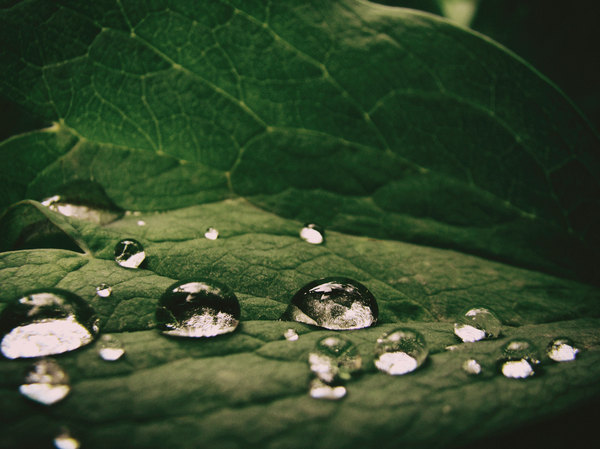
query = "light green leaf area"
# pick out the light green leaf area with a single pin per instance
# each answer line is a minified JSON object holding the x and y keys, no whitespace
{"x":250,"y":388}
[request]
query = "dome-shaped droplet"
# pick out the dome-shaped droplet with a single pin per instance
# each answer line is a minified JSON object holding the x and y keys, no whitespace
{"x":519,"y":359}
{"x":320,"y":390}
{"x":110,"y":348}
{"x":65,"y":441}
{"x":472,"y":367}
{"x":562,"y":349}
{"x":335,"y":303}
{"x":334,"y":359}
{"x":198,"y":308}
{"x":46,"y":382}
{"x":291,"y":335}
{"x":45,"y":322}
{"x":400,"y":351}
{"x":104,"y":290}
{"x":211,"y":234}
{"x":129,"y":253}
{"x":476,"y":324}
{"x":312,"y":233}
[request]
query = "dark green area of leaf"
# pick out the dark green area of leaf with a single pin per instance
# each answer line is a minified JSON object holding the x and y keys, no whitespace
{"x":386,"y":125}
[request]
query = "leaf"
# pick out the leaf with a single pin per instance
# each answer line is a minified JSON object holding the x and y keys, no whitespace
{"x":386,"y":125}
{"x":382,"y":122}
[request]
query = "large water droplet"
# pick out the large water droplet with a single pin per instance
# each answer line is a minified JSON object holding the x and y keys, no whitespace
{"x":312,"y":233}
{"x":45,"y":322}
{"x":211,"y":234}
{"x":129,"y":253}
{"x":104,"y":290}
{"x":320,"y":390}
{"x":198,"y":308}
{"x":472,"y":367}
{"x":46,"y":383}
{"x":291,"y":335}
{"x":562,"y":349}
{"x":335,"y":303}
{"x":110,"y":348}
{"x":65,"y":441}
{"x":400,"y":351}
{"x":334,"y":359}
{"x":477,"y":324}
{"x":84,"y":200}
{"x":519,"y":360}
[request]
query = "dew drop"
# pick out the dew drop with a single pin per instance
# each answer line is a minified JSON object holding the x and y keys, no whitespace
{"x":110,"y":348}
{"x":335,"y":303}
{"x":141,"y":223}
{"x":471,"y":367}
{"x":291,"y":335}
{"x":320,"y":390}
{"x":129,"y":253}
{"x":45,"y":322}
{"x":198,"y":308}
{"x":400,"y":352}
{"x":334,"y":359}
{"x":476,"y":324}
{"x":562,"y":349}
{"x":519,"y":359}
{"x":211,"y":234}
{"x":66,"y":441}
{"x":84,"y":200}
{"x":104,"y":290}
{"x":312,"y":233}
{"x":46,"y":382}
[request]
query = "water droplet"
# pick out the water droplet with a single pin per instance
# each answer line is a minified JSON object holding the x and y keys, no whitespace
{"x":45,"y":322}
{"x":477,"y":324}
{"x":84,"y":200}
{"x":104,"y":290}
{"x":400,"y":352}
{"x":334,"y":358}
{"x":110,"y":348}
{"x":335,"y":303}
{"x":519,"y":359}
{"x":211,"y":234}
{"x":198,"y":308}
{"x":129,"y":253}
{"x":312,"y":233}
{"x":291,"y":335}
{"x":472,"y":367}
{"x":562,"y":349}
{"x":46,"y":383}
{"x":66,"y":441}
{"x":320,"y":390}
{"x":141,"y":223}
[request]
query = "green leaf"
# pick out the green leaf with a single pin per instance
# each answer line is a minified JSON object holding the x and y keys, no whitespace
{"x":431,"y":155}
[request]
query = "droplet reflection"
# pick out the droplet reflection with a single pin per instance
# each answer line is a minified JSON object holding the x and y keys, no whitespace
{"x":477,"y":324}
{"x":110,"y":348}
{"x":129,"y":253}
{"x":519,"y":359}
{"x":104,"y":290}
{"x":562,"y":350}
{"x":400,"y":352}
{"x":313,"y":234}
{"x":46,"y":383}
{"x":66,"y":441}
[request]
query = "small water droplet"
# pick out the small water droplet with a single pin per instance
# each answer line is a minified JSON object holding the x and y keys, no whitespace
{"x":84,"y":200}
{"x":472,"y":367}
{"x":334,"y":358}
{"x":45,"y":322}
{"x":104,"y":290}
{"x":400,"y":351}
{"x":519,"y":360}
{"x":198,"y":308}
{"x":476,"y":324}
{"x":335,"y":303}
{"x":110,"y":348}
{"x":312,"y":233}
{"x":211,"y":234}
{"x":141,"y":223}
{"x":320,"y":390}
{"x":291,"y":335}
{"x":66,"y":441}
{"x":129,"y":253}
{"x":46,"y":383}
{"x":562,"y":349}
